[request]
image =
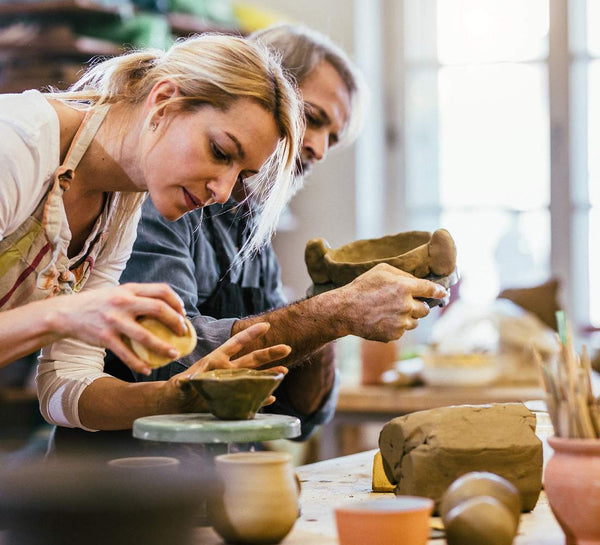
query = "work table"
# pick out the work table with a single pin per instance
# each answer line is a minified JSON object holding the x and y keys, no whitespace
{"x":348,"y":479}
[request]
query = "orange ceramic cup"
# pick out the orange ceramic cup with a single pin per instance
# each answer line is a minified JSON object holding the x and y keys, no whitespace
{"x":403,"y":520}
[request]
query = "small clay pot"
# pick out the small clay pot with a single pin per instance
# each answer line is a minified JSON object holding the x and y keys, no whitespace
{"x":482,"y":483}
{"x":255,"y":499}
{"x":481,"y":520}
{"x":419,"y":253}
{"x":572,"y":484}
{"x":235,"y":394}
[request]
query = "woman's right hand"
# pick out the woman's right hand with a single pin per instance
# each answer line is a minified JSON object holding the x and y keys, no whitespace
{"x":102,"y":317}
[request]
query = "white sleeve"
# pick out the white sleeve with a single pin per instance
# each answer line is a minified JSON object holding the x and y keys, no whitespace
{"x":21,"y":180}
{"x":69,"y":366}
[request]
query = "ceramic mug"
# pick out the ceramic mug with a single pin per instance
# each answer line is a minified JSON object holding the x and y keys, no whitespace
{"x":255,"y":498}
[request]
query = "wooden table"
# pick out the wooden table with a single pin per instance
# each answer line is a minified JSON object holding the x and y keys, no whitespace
{"x":359,"y":405}
{"x":347,"y":480}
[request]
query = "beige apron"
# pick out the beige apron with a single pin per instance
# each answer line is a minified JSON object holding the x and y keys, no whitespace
{"x":34,"y":263}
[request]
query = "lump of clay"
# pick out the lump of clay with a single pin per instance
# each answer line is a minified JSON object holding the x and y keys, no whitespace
{"x":425,"y":452}
{"x":482,"y":483}
{"x":184,"y":344}
{"x":419,"y":253}
{"x":482,"y":520}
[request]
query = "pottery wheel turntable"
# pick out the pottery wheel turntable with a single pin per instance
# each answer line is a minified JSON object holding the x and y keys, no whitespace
{"x":205,"y":428}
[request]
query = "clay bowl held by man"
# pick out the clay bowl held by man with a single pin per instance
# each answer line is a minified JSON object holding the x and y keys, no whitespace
{"x":235,"y":394}
{"x":420,"y":253}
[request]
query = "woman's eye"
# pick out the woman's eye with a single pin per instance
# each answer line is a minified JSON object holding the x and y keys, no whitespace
{"x":218,"y":154}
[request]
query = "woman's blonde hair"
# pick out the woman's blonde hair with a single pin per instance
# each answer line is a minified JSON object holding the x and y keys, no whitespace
{"x":213,"y":70}
{"x":301,"y":49}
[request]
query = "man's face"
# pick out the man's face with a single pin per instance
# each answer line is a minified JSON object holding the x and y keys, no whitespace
{"x":327,"y":108}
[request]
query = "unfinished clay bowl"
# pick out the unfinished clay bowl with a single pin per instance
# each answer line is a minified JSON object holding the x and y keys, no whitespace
{"x":235,"y":394}
{"x":419,"y":253}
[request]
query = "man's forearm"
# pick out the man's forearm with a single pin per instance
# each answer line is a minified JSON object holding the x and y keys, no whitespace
{"x":306,"y":325}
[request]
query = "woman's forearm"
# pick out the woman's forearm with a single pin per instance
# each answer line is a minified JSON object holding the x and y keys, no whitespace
{"x":25,"y":329}
{"x":112,"y":404}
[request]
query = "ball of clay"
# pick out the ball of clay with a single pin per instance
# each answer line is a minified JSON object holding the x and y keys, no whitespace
{"x":183,"y":343}
{"x":482,"y":483}
{"x":480,"y":521}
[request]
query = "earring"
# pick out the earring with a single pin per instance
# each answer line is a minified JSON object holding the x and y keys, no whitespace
{"x":153,"y":125}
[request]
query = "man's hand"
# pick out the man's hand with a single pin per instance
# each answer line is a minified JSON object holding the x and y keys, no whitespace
{"x":384,"y":302}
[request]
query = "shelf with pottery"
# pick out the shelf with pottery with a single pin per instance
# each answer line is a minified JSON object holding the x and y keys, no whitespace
{"x":347,"y":480}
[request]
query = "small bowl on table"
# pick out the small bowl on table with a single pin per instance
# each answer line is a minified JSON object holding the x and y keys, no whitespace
{"x":235,"y":394}
{"x":403,"y":519}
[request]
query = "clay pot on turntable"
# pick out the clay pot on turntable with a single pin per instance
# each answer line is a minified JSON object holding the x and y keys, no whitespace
{"x":256,"y":497}
{"x":572,"y":484}
{"x":235,"y":394}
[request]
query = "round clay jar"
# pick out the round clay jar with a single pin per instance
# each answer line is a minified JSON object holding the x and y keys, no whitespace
{"x":183,"y":343}
{"x":482,"y":483}
{"x":481,"y":520}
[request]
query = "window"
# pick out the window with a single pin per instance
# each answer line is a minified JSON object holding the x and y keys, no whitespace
{"x":500,"y":139}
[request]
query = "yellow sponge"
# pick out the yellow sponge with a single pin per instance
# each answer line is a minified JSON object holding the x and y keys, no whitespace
{"x":380,"y":481}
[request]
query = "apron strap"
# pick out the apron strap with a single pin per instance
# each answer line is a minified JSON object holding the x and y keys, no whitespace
{"x":80,"y":143}
{"x":52,"y":219}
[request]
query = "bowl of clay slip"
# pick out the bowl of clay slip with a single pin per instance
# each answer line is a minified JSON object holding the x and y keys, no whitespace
{"x":235,"y":394}
{"x":404,"y":519}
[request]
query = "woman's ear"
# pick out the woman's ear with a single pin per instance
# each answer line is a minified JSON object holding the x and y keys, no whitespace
{"x":159,"y":95}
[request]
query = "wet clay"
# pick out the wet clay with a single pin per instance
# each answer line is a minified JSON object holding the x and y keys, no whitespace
{"x":425,"y":452}
{"x":184,"y":344}
{"x":419,"y":253}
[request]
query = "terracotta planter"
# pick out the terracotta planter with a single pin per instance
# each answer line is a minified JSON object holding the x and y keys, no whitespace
{"x":572,"y":483}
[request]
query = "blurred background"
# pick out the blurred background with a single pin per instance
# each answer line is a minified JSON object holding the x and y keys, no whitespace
{"x":484,"y":119}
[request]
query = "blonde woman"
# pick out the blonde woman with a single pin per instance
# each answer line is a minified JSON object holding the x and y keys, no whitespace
{"x":184,"y":126}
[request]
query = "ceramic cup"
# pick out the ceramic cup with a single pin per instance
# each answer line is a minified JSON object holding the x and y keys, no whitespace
{"x":255,"y":498}
{"x":403,"y":520}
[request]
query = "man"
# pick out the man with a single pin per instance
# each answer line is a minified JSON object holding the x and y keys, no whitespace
{"x":197,"y":254}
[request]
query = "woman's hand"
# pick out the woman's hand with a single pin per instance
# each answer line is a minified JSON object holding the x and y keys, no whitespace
{"x":102,"y":317}
{"x":183,"y":393}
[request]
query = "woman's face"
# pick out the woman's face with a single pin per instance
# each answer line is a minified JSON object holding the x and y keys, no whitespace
{"x":193,"y":159}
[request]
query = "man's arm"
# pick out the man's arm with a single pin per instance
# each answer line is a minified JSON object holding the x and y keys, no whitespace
{"x":380,"y":305}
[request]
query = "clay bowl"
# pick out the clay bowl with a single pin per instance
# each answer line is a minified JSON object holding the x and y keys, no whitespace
{"x":420,"y":253}
{"x":235,"y":394}
{"x":404,"y":519}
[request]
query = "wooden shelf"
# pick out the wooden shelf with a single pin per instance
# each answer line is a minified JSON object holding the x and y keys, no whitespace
{"x":60,"y":6}
{"x":78,"y":46}
{"x":183,"y":24}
